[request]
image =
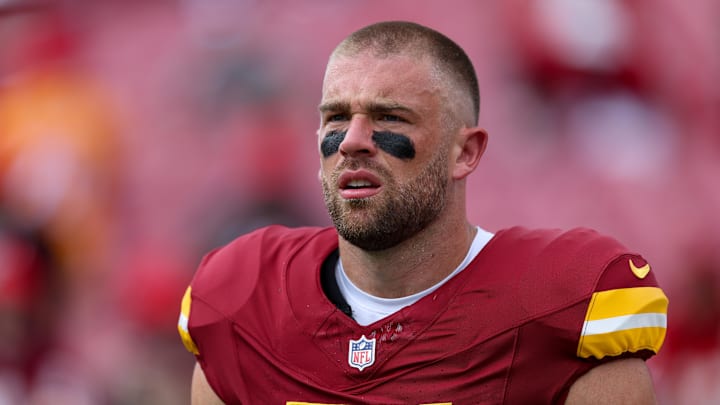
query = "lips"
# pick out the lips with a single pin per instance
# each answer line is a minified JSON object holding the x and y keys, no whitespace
{"x":358,"y":184}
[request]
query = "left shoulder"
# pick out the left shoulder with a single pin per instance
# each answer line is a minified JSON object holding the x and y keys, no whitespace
{"x":553,"y":267}
{"x":594,"y":298}
{"x":549,"y":269}
{"x":578,"y":244}
{"x":626,"y":310}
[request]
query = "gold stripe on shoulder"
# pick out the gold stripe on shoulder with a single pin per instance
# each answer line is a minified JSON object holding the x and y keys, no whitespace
{"x":183,"y":323}
{"x":617,"y":343}
{"x":624,"y":320}
{"x":185,"y":305}
{"x":626,"y":301}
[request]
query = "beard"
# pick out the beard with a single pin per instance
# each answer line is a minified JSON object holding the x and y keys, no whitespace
{"x":398,"y":213}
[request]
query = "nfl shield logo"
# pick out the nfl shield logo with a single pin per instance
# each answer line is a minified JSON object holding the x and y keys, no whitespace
{"x":361,"y":353}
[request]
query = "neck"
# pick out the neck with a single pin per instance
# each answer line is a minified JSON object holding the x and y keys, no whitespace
{"x":412,"y":266}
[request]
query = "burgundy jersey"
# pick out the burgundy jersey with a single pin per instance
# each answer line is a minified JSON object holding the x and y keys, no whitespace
{"x":533,"y":311}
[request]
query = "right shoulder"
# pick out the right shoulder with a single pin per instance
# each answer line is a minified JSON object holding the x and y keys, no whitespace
{"x":229,"y":275}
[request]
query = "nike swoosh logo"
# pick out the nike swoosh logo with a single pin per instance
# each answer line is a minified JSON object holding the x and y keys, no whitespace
{"x":639,"y":272}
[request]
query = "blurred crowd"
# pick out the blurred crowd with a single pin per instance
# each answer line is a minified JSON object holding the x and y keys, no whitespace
{"x":136,"y":136}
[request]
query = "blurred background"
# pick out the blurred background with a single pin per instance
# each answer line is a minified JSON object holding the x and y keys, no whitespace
{"x":136,"y":136}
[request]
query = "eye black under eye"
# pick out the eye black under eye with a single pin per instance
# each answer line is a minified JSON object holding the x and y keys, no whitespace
{"x":331,"y":142}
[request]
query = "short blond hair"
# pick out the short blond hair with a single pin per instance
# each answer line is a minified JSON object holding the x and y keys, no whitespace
{"x":390,"y":38}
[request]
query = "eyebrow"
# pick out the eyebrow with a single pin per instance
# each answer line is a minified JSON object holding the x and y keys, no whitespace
{"x":372,"y":107}
{"x":334,"y":106}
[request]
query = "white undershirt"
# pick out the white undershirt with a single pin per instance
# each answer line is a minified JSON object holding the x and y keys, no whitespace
{"x":367,"y":308}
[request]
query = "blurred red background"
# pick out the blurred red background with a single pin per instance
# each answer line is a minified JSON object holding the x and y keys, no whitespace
{"x":136,"y":136}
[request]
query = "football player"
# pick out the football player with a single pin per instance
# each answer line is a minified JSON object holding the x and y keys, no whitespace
{"x":403,"y":300}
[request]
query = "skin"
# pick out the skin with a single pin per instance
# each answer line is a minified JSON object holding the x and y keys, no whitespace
{"x":619,"y":382}
{"x":403,"y":94}
{"x":201,"y":392}
{"x":361,"y":94}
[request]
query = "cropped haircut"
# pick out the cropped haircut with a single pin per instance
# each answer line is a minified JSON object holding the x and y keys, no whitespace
{"x":390,"y":38}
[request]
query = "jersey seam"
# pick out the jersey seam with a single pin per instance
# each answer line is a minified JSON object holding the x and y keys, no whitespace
{"x":508,"y":384}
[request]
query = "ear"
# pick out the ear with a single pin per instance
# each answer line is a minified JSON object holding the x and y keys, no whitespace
{"x":469,"y":149}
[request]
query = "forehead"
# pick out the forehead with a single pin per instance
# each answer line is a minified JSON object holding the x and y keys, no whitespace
{"x":364,"y":77}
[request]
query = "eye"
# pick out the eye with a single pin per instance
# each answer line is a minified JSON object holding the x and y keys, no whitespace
{"x":336,"y":117}
{"x":391,"y":118}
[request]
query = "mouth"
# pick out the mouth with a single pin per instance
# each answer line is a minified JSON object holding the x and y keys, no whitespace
{"x":358,"y":184}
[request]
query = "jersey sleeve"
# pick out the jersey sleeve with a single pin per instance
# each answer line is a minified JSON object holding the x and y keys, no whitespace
{"x":627,"y":313}
{"x":186,"y":306}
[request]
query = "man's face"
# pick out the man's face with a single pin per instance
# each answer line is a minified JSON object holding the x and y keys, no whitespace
{"x":384,"y":163}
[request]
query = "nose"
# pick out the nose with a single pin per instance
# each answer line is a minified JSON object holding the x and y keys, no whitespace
{"x":358,"y":139}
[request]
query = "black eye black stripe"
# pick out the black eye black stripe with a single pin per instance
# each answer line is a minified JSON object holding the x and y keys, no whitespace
{"x":331,"y":143}
{"x":395,"y":144}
